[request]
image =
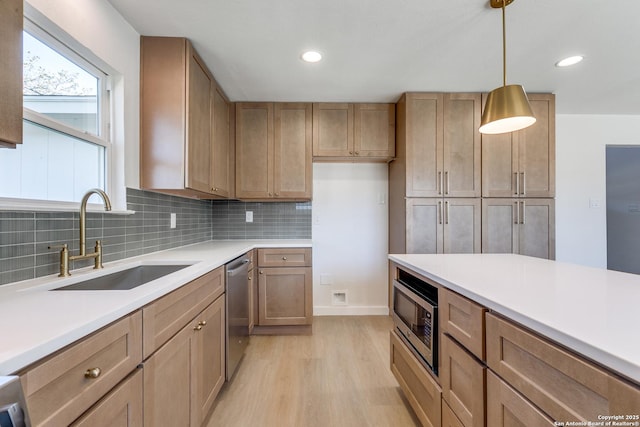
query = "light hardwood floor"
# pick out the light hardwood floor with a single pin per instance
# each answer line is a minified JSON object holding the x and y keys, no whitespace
{"x":338,"y":376}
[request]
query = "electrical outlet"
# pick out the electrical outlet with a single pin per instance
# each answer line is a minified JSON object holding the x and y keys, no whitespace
{"x":249,"y":216}
{"x":172,"y":222}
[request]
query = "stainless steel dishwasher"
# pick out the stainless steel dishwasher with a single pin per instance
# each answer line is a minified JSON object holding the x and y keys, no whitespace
{"x":237,"y":312}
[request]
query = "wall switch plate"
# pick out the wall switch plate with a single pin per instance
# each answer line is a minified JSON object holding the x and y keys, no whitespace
{"x":172,"y":223}
{"x":249,"y":216}
{"x":326,"y":279}
{"x":595,"y":203}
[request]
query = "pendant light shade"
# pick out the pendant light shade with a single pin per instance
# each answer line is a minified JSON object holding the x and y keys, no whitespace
{"x":507,"y":108}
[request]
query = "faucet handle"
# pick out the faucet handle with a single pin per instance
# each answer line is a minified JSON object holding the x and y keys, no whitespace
{"x":64,"y":259}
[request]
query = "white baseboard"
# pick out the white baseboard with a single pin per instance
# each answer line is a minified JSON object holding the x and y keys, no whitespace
{"x":351,"y":310}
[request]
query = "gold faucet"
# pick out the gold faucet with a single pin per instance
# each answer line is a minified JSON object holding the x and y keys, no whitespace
{"x":97,"y":254}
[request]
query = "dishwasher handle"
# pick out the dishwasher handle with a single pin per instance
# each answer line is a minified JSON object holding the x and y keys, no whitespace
{"x":239,"y":267}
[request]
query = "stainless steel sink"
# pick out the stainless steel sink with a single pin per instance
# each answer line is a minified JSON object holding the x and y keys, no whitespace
{"x":125,"y":279}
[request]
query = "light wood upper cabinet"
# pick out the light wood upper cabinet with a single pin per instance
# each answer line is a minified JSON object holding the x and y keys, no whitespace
{"x":11,"y":18}
{"x":441,"y":144}
{"x":435,"y":225}
{"x":273,"y":151}
{"x":353,"y":132}
{"x":519,"y":226}
{"x":522,"y":164}
{"x":184,"y":122}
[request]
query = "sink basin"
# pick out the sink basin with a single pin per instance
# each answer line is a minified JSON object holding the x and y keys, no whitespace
{"x":125,"y":279}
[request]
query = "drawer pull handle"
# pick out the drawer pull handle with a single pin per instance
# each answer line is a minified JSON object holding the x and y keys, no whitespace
{"x":92,"y":373}
{"x":197,"y":328}
{"x":203,"y":323}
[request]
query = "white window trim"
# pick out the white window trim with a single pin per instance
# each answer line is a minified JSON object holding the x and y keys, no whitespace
{"x":40,"y":26}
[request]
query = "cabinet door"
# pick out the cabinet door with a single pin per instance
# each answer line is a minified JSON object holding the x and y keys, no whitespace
{"x":292,"y":145}
{"x":285,"y":296}
{"x":537,"y":228}
{"x":374,"y":130}
{"x":506,"y":408}
{"x":461,"y":145}
{"x":537,"y":149}
{"x":500,"y":219}
{"x":198,"y":168}
{"x":167,"y":382}
{"x":254,"y":150}
{"x":500,"y":177}
{"x":11,"y":18}
{"x":220,"y":156}
{"x":424,"y":145}
{"x":122,"y":407}
{"x":332,"y":130}
{"x":209,"y":359}
{"x":461,"y":228}
{"x":424,"y":229}
{"x":463,"y":383}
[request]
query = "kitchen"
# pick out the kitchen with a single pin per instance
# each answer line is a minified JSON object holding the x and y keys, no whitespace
{"x":582,"y":241}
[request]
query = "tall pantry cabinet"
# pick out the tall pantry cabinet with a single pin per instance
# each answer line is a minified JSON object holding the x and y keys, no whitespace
{"x":453,"y":190}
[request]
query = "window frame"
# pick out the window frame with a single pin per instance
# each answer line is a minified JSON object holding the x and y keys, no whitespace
{"x":63,"y":45}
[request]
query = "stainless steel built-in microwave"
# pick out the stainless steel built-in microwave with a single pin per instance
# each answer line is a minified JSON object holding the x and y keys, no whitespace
{"x":415,"y":319}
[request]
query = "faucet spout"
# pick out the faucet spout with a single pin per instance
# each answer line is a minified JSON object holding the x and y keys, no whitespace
{"x":83,"y":215}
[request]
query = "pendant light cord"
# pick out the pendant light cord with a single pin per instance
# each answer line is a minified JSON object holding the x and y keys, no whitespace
{"x":504,"y":46}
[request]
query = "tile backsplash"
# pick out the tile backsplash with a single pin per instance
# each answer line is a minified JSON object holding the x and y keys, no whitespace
{"x":26,"y":236}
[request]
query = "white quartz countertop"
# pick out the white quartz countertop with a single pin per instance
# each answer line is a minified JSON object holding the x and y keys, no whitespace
{"x":594,"y":312}
{"x":35,"y":321}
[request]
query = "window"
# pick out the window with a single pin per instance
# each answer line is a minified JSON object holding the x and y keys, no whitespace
{"x":66,"y":148}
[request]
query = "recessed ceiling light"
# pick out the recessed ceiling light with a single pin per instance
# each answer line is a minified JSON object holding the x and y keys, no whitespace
{"x":311,"y":56}
{"x":572,"y":60}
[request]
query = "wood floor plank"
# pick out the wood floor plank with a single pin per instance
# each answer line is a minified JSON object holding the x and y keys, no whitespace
{"x":338,"y":376}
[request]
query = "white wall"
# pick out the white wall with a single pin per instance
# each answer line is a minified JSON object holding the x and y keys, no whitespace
{"x":350,"y":235}
{"x":581,"y":231}
{"x":97,"y":29}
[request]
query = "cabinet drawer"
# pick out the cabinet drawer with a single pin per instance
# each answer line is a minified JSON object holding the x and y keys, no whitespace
{"x":463,"y":383}
{"x":284,"y":257}
{"x":505,"y":407}
{"x":165,"y":317}
{"x":422,"y":391}
{"x":59,"y":389}
{"x":449,"y":419}
{"x":565,"y":386}
{"x":122,"y":407}
{"x":463,"y":320}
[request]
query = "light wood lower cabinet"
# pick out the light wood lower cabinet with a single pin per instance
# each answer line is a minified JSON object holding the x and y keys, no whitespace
{"x":463,"y":319}
{"x":422,"y":391}
{"x":285,"y":288}
{"x":449,"y":419}
{"x":519,"y":226}
{"x":463,"y":383}
{"x":563,"y":385}
{"x":507,"y":408}
{"x":182,"y":379}
{"x":122,"y":407}
{"x":63,"y":386}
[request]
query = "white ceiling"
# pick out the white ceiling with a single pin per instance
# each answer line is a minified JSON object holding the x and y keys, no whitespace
{"x":376,"y":49}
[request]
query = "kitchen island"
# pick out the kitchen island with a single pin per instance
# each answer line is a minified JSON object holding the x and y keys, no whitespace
{"x":557,"y":342}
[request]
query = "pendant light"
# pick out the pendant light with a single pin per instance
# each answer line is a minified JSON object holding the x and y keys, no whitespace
{"x":507,"y":108}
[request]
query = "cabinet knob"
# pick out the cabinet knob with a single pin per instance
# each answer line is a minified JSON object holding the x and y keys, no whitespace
{"x":284,"y":258}
{"x":350,"y":152}
{"x":92,"y":373}
{"x":203,"y":323}
{"x":249,"y":277}
{"x":357,"y":153}
{"x":277,"y":194}
{"x":261,"y":272}
{"x":197,"y":328}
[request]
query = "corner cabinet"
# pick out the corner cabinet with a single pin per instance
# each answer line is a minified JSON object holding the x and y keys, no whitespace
{"x":353,"y":132}
{"x":184,"y":122}
{"x":273,"y":151}
{"x":11,"y":18}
